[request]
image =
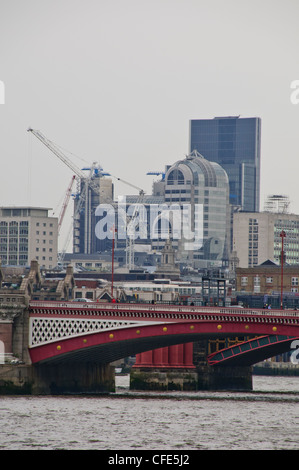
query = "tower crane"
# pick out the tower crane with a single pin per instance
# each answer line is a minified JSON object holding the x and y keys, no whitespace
{"x":156,"y":173}
{"x":76,"y":214}
{"x":90,"y":183}
{"x":56,"y":150}
{"x":141,"y":191}
{"x":87,"y":180}
{"x":65,"y":203}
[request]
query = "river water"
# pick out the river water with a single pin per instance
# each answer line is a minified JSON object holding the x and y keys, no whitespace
{"x":265,"y":419}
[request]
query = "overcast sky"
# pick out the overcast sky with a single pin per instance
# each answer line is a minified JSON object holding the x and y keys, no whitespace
{"x":117,"y":81}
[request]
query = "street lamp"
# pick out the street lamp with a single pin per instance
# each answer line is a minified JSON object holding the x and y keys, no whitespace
{"x":114,"y":230}
{"x":282,"y":235}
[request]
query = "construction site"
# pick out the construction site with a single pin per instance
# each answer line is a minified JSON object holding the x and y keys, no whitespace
{"x":91,"y":187}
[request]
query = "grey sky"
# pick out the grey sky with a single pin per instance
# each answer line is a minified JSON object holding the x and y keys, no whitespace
{"x":117,"y":81}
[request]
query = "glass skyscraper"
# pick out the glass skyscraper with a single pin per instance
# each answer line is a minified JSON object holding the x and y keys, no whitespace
{"x":234,"y":143}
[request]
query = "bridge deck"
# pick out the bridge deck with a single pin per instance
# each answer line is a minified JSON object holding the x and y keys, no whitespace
{"x":154,"y":311}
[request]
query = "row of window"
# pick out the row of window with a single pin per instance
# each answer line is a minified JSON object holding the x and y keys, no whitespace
{"x":13,"y":231}
{"x":13,"y":248}
{"x":269,"y":280}
{"x":20,"y":259}
{"x":44,"y":250}
{"x":44,"y":224}
{"x":23,"y":223}
{"x":44,"y":233}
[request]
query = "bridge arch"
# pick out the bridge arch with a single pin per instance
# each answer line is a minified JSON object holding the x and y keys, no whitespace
{"x":254,"y":350}
{"x":61,"y":332}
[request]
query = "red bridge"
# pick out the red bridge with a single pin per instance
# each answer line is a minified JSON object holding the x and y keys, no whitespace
{"x":69,"y":331}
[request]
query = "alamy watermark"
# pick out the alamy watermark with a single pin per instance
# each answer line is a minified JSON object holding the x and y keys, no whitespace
{"x":2,"y":352}
{"x":154,"y":222}
{"x":2,"y":92}
{"x":295,"y":354}
{"x":295,"y":94}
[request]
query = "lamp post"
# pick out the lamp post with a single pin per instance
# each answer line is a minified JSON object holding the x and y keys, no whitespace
{"x":112,"y":267}
{"x":282,"y":235}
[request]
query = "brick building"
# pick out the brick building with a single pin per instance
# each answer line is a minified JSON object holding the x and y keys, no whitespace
{"x":265,"y":280}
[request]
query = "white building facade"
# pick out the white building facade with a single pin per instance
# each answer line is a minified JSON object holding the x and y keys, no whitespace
{"x":28,"y":233}
{"x":257,"y":238}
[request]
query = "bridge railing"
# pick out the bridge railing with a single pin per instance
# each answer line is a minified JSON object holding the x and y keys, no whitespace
{"x":163,"y":308}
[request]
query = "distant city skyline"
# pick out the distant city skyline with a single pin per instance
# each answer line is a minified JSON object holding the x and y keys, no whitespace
{"x":118,"y":82}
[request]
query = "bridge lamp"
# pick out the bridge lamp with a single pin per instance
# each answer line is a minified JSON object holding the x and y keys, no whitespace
{"x":114,"y":230}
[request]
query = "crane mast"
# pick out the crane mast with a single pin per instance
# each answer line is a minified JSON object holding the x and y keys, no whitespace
{"x":65,"y":203}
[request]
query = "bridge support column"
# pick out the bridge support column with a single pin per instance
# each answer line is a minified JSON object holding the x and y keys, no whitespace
{"x":73,"y":378}
{"x":224,"y":378}
{"x":168,"y":368}
{"x":219,"y":377}
{"x":184,"y":367}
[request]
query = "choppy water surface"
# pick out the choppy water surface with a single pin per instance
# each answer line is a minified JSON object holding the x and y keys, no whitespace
{"x":264,"y":419}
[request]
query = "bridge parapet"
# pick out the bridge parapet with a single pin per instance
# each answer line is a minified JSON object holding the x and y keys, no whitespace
{"x":149,"y":310}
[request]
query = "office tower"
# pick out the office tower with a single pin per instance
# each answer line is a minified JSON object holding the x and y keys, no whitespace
{"x":28,"y":233}
{"x":200,"y":188}
{"x":234,"y":143}
{"x":92,"y":192}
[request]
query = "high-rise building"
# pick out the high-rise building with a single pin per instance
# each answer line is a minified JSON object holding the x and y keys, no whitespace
{"x":93,"y":192}
{"x":234,"y":143}
{"x":28,"y":233}
{"x":200,"y":189}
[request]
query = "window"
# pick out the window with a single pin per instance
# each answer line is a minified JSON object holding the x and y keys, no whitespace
{"x":256,"y":284}
{"x":294,"y":281}
{"x":175,"y":177}
{"x":269,"y":280}
{"x":244,"y":281}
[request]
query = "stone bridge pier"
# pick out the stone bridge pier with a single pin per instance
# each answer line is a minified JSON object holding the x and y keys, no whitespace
{"x":19,"y":376}
{"x":219,"y":378}
{"x":184,"y":367}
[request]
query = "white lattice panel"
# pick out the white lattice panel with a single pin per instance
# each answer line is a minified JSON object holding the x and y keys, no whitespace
{"x":45,"y":330}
